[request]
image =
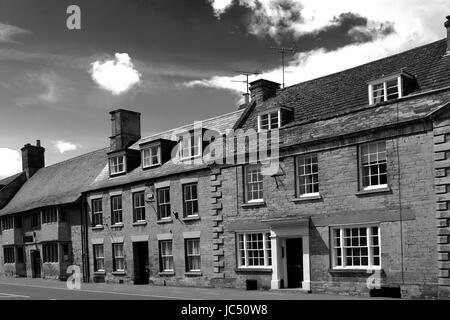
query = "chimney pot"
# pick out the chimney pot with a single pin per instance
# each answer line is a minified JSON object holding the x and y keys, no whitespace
{"x":38,"y":143}
{"x":246,"y":98}
{"x":447,"y":25}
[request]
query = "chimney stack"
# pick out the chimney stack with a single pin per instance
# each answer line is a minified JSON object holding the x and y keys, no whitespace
{"x":32,"y":158}
{"x":246,"y":98}
{"x":447,"y":25}
{"x":261,"y":90}
{"x":126,"y":129}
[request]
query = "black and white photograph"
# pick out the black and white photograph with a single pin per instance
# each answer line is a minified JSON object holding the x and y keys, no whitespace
{"x":224,"y":158}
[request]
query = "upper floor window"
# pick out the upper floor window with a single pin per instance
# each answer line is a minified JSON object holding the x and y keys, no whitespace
{"x":117,"y":164}
{"x":269,"y":120}
{"x":116,"y":209}
{"x":97,"y":212}
{"x":8,"y":222}
{"x":190,"y":200}
{"x":163,"y":198}
{"x":50,"y":215}
{"x":253,"y":183}
{"x":390,"y":87}
{"x":151,"y":156}
{"x":307,"y":175}
{"x":254,"y":250}
{"x":35,"y":219}
{"x":356,"y":247}
{"x":373,"y":165}
{"x":190,"y":146}
{"x":138,"y":206}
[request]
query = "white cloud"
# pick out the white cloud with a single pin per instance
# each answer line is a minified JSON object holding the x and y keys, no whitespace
{"x":64,"y":146}
{"x":116,"y":75}
{"x":10,"y":162}
{"x":7,"y":32}
{"x":220,"y":6}
{"x":415,"y":23}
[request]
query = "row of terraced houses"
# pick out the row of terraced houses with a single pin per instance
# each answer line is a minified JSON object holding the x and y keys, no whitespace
{"x":358,"y":203}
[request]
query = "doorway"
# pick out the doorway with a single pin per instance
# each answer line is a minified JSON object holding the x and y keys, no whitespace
{"x":294,"y":261}
{"x":141,"y":263}
{"x":35,"y":264}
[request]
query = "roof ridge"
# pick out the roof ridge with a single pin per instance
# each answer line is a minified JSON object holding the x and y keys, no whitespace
{"x":74,"y":158}
{"x":362,"y":65}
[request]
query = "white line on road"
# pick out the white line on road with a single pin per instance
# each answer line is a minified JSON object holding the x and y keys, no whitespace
{"x":97,"y":291}
{"x":8,"y":295}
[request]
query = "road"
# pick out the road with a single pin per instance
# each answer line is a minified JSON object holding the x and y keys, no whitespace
{"x":39,"y":289}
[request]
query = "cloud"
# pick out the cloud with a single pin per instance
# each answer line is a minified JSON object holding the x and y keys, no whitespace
{"x":416,"y":23}
{"x":64,"y":146}
{"x":220,"y":6}
{"x":117,"y":75}
{"x":10,"y":162}
{"x":7,"y":32}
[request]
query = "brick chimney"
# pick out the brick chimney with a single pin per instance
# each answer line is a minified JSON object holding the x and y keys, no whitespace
{"x":32,"y":158}
{"x":126,"y":129}
{"x":261,"y":90}
{"x":447,"y":25}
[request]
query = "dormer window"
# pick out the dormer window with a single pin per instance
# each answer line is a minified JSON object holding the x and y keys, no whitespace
{"x":390,"y":88}
{"x":151,"y":156}
{"x":274,"y":118}
{"x":190,"y":146}
{"x":117,"y":164}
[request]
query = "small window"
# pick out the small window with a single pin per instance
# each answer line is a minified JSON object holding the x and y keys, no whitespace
{"x":118,"y":257}
{"x":20,"y":254}
{"x":97,"y":212}
{"x":8,"y":255}
{"x":385,"y":90}
{"x":269,"y":121}
{"x":8,"y":222}
{"x":117,"y":164}
{"x":50,"y":252}
{"x":116,"y":209}
{"x":50,"y":215}
{"x":254,"y":183}
{"x":151,"y":156}
{"x":190,"y":200}
{"x":190,"y":146}
{"x":99,"y":258}
{"x":138,"y":206}
{"x":18,"y":223}
{"x":62,"y":215}
{"x":373,"y":165}
{"x":163,"y":198}
{"x":165,"y":255}
{"x":356,"y":247}
{"x":193,"y":262}
{"x":35,"y":219}
{"x":254,"y":250}
{"x":307,"y":175}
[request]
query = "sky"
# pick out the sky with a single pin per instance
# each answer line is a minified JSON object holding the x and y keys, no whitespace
{"x":175,"y":61}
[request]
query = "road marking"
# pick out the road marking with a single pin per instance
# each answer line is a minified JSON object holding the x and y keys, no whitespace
{"x":8,"y":295}
{"x":97,"y":291}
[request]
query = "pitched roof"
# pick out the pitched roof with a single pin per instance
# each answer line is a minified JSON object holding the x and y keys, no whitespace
{"x":347,"y":91}
{"x":58,"y":184}
{"x":9,"y":179}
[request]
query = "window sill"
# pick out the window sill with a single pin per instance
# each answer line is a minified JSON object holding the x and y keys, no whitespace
{"x":117,"y":226}
{"x":119,"y":273}
{"x":308,"y":198}
{"x":253,"y":204}
{"x":193,"y":273}
{"x":191,"y":218}
{"x":253,"y":270}
{"x":166,"y":273}
{"x":117,"y":174}
{"x":374,"y":191}
{"x":354,"y":272}
{"x":98,"y":228}
{"x":151,"y":166}
{"x":140,"y":223}
{"x":99,"y":273}
{"x":162,"y":221}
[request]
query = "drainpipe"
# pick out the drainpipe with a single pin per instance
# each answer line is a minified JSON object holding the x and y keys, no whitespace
{"x":85,"y":239}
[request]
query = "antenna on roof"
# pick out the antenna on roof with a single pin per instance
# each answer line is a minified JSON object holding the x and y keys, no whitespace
{"x":246,"y":74}
{"x":282,"y":51}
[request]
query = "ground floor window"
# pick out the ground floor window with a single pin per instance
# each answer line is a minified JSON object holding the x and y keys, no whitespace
{"x":8,"y":255}
{"x":50,"y":252}
{"x":356,"y":247}
{"x":254,"y":250}
{"x":165,"y":255}
{"x":193,"y":262}
{"x":99,"y":257}
{"x":118,"y":257}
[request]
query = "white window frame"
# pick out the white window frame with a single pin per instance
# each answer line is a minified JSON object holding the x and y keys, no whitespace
{"x":298,"y":175}
{"x":122,"y":257}
{"x":190,"y":255}
{"x":269,"y":119}
{"x":95,"y":213}
{"x":165,"y":257}
{"x":384,"y":82}
{"x":112,"y":166}
{"x":141,"y":208}
{"x":246,"y":183}
{"x":149,"y":149}
{"x":99,"y":257}
{"x":377,"y":186}
{"x":268,"y":261}
{"x":160,"y":203}
{"x":190,"y":202}
{"x":115,"y":211}
{"x":189,"y":148}
{"x":369,"y":245}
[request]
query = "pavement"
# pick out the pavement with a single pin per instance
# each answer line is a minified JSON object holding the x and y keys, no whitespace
{"x":40,"y":289}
